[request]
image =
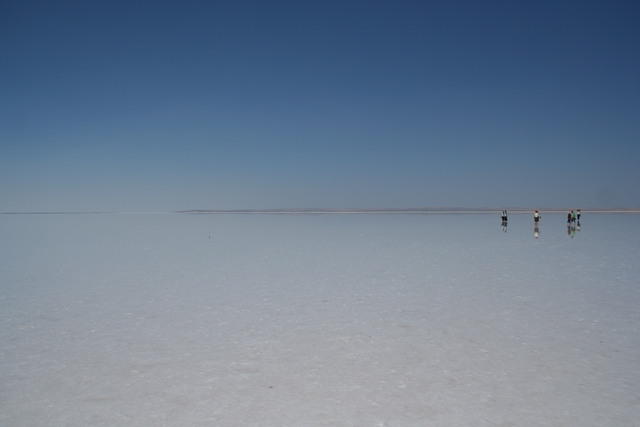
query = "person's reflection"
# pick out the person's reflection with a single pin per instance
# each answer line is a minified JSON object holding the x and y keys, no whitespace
{"x":536,"y":230}
{"x":578,"y":225}
{"x":503,"y":225}
{"x":571,"y":230}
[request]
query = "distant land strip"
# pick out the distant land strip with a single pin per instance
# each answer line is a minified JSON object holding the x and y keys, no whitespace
{"x":56,"y":213}
{"x":399,"y":211}
{"x":432,"y":210}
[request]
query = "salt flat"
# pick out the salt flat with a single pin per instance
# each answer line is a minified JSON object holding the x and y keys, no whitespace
{"x":318,"y":320}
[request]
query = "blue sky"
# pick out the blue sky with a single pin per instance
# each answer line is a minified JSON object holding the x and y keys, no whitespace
{"x":161,"y":106}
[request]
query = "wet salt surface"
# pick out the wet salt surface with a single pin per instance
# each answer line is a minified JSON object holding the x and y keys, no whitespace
{"x":371,"y":320}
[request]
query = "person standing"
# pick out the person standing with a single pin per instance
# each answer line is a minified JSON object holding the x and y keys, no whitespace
{"x":536,"y":216}
{"x":503,"y":217}
{"x":578,"y":214}
{"x":569,"y":216}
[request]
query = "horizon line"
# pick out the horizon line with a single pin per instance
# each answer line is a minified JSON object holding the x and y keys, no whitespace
{"x":422,"y":210}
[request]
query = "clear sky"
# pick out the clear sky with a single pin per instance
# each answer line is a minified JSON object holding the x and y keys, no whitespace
{"x":131,"y":105}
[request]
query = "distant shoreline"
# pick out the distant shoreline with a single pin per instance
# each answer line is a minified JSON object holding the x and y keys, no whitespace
{"x":396,"y":211}
{"x":319,"y":211}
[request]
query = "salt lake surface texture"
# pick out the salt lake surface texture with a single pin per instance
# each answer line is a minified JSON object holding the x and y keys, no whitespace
{"x":318,"y":320}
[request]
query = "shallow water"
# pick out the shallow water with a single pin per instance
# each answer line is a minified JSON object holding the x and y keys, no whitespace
{"x":441,"y":320}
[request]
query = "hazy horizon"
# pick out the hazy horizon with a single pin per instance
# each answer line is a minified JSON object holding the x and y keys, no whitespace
{"x":430,"y":209}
